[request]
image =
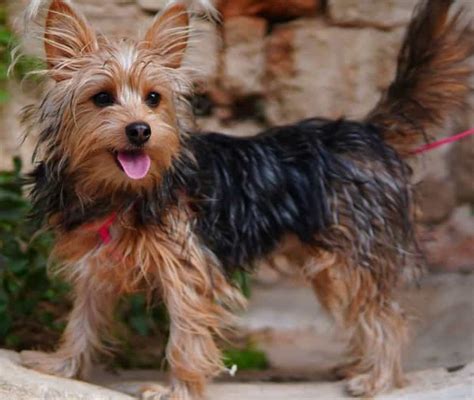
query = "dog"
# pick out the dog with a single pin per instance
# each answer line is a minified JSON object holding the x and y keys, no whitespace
{"x":138,"y":201}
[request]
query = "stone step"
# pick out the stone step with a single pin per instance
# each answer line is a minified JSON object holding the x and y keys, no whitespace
{"x":18,"y":383}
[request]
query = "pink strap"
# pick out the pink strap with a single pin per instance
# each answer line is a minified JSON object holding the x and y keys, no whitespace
{"x":441,"y":142}
{"x":104,"y":229}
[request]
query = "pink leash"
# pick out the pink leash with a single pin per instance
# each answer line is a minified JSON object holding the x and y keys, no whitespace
{"x":441,"y":142}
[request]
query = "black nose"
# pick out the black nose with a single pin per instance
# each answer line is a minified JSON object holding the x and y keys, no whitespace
{"x":138,"y":133}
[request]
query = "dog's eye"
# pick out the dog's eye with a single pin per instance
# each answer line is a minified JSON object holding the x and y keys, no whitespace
{"x":153,"y":99}
{"x":103,"y":99}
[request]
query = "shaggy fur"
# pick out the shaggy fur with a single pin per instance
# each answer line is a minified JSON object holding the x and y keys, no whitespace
{"x":339,"y":191}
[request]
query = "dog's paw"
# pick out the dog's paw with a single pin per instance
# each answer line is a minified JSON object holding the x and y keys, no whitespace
{"x":347,"y":370}
{"x":370,"y":384}
{"x":361,"y":385}
{"x":155,"y":392}
{"x":158,"y":392}
{"x":50,"y":363}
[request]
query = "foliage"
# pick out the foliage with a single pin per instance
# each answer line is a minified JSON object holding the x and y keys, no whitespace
{"x":248,"y":358}
{"x":29,"y":300}
{"x":23,"y":65}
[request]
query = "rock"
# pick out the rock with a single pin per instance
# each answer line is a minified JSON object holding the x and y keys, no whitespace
{"x":11,"y":135}
{"x":462,"y":169}
{"x":270,"y":9}
{"x":442,"y":325}
{"x":203,"y":52}
{"x":18,"y":383}
{"x":306,"y":77}
{"x":280,"y":53}
{"x":104,"y":16}
{"x":437,"y":199}
{"x":152,"y":5}
{"x":243,"y":58}
{"x":435,"y":384}
{"x":450,"y":246}
{"x":242,"y":128}
{"x":380,"y":14}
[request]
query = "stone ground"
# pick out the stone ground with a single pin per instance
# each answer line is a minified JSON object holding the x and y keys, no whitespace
{"x":289,"y":325}
{"x":18,"y":383}
{"x":301,"y":344}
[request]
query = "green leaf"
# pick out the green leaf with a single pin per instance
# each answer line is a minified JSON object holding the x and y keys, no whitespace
{"x":242,"y":280}
{"x":12,"y":341}
{"x":140,"y":323}
{"x":5,"y":324}
{"x":246,"y":359}
{"x":4,"y":96}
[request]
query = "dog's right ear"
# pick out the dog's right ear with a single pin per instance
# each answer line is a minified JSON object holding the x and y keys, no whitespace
{"x":168,"y":35}
{"x":67,"y":36}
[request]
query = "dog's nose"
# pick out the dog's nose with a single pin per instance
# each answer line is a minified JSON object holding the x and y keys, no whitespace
{"x":138,"y":133}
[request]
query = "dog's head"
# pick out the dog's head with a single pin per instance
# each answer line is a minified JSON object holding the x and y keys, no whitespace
{"x":110,"y":116}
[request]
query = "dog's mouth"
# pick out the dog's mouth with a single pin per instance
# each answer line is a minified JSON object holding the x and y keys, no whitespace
{"x":136,"y":164}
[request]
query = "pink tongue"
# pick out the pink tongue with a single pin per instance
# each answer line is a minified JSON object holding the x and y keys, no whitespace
{"x":136,"y":165}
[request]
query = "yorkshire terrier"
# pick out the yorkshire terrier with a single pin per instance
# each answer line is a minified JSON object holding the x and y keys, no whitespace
{"x":140,"y":202}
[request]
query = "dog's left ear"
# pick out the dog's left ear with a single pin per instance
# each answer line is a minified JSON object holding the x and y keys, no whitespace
{"x":168,"y":35}
{"x":67,"y":36}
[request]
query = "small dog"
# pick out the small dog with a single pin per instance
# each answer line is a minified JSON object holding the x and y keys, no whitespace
{"x":140,"y":203}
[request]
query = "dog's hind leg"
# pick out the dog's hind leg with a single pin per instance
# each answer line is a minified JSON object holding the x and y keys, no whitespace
{"x":375,"y":322}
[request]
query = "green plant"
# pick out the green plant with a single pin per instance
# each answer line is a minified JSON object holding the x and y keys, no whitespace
{"x":247,"y":358}
{"x":23,"y":65}
{"x":30,"y":302}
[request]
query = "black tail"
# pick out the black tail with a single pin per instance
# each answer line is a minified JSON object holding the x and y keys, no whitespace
{"x":432,"y":80}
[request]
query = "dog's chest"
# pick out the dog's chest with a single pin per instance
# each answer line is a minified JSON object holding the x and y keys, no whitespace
{"x":128,"y":257}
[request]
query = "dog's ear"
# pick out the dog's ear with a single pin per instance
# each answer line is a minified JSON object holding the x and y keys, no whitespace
{"x":168,"y":35}
{"x":67,"y":36}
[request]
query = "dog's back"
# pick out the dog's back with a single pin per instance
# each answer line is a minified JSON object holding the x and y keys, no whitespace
{"x":309,"y":180}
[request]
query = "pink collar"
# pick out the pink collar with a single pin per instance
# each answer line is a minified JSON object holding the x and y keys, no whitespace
{"x":104,"y":229}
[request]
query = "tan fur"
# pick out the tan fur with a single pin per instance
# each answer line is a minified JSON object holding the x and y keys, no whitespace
{"x":169,"y":261}
{"x":375,"y":321}
{"x":363,"y":305}
{"x":165,"y":260}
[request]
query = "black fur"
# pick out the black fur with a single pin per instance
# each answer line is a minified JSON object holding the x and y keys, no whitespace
{"x":300,"y":179}
{"x":248,"y":193}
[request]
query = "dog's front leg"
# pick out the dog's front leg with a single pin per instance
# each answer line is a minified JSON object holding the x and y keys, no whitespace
{"x":92,"y":311}
{"x":192,"y":353}
{"x":197,"y":313}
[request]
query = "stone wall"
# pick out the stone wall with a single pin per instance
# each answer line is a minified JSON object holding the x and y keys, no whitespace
{"x":276,"y":61}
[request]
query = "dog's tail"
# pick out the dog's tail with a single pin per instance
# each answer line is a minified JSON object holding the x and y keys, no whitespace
{"x":432,"y":79}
